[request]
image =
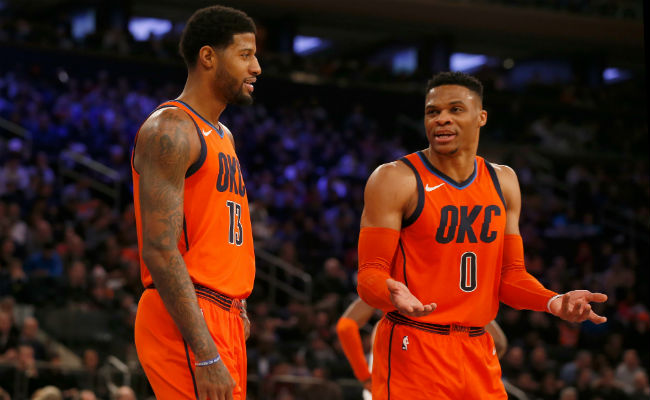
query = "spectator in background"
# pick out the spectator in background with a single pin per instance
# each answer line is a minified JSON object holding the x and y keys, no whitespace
{"x":48,"y":393}
{"x":570,"y":371}
{"x":29,"y":336}
{"x":45,"y":263}
{"x":607,"y":386}
{"x":125,"y":393}
{"x":22,"y":378}
{"x":87,"y":395}
{"x":569,"y":393}
{"x":626,"y":371}
{"x":8,"y":335}
{"x":89,"y":379}
{"x":638,"y":335}
{"x":641,"y":386}
{"x":14,"y":177}
{"x":332,"y":280}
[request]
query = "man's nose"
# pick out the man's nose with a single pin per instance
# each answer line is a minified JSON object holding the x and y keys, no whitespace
{"x":443,"y":118}
{"x":255,"y":67}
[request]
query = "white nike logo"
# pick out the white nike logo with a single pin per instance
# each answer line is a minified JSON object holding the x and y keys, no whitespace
{"x":206,"y":133}
{"x":430,"y":189}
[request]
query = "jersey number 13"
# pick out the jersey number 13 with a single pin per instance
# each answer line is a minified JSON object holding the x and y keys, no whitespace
{"x":235,"y":230}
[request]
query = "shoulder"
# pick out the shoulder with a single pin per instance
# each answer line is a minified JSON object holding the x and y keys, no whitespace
{"x":507,"y":180}
{"x":504,"y":172}
{"x":396,"y":172}
{"x":227,"y":133}
{"x":391,"y":185}
{"x":167,"y":121}
{"x":168,"y":135}
{"x":167,"y":126}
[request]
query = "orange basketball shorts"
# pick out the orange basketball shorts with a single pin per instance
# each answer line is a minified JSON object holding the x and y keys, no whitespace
{"x":168,"y":361}
{"x":427,"y":362}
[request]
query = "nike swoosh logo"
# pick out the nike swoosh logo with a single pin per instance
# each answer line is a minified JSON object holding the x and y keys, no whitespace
{"x":430,"y":189}
{"x":206,"y":133}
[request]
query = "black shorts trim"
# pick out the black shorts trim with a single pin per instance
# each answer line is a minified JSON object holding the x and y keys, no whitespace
{"x":189,"y":366}
{"x":213,"y":296}
{"x":390,"y":350}
{"x":472,"y":331}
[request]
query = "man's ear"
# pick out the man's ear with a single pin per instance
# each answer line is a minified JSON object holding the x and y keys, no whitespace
{"x":207,"y":57}
{"x":482,"y":118}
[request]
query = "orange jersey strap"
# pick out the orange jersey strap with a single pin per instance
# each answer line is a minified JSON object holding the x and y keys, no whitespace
{"x":350,"y":339}
{"x":519,"y":289}
{"x":376,"y":250}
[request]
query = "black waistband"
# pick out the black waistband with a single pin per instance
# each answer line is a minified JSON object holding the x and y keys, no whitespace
{"x":397,"y":318}
{"x":203,"y":292}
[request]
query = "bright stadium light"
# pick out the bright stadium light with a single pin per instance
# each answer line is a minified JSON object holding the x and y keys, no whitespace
{"x":141,"y":28}
{"x":405,"y":61}
{"x":468,"y":63}
{"x":613,"y":75}
{"x":305,"y":45}
{"x":83,"y":23}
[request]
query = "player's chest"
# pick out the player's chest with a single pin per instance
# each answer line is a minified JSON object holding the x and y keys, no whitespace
{"x":471,"y":215}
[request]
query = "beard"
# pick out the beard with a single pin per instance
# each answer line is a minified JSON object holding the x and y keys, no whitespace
{"x":232,"y":90}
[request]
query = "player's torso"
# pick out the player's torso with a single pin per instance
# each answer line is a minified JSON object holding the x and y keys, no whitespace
{"x":450,"y":252}
{"x":216,"y":241}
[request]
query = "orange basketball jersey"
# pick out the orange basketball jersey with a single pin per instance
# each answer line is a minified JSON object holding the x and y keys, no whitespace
{"x":449,"y":251}
{"x":217,"y":239}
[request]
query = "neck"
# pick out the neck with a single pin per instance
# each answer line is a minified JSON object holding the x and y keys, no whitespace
{"x":458,"y":167}
{"x":203,"y":98}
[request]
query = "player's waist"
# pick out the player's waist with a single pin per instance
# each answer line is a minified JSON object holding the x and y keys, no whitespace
{"x":221,"y":300}
{"x":439,"y":329}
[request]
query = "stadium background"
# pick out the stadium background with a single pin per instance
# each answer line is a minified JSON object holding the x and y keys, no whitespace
{"x":341,"y":92}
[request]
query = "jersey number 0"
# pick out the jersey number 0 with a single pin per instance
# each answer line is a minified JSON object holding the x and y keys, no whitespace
{"x":468,"y":272}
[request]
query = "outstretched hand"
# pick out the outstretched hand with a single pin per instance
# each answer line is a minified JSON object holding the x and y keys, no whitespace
{"x":574,"y":306}
{"x":405,"y":302}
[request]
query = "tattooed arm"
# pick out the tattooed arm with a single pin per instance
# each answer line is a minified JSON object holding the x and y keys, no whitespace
{"x":167,"y":145}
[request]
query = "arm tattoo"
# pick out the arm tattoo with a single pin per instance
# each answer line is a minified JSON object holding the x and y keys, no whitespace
{"x":164,"y":152}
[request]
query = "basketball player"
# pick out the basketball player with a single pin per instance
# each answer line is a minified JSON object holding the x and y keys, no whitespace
{"x":193,"y":222}
{"x":439,"y":248}
{"x":357,"y":315}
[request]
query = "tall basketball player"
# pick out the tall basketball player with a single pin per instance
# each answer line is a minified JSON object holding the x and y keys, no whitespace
{"x":193,"y":222}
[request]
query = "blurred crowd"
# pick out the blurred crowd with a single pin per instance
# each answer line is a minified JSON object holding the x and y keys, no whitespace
{"x":110,"y":34}
{"x":69,"y":269}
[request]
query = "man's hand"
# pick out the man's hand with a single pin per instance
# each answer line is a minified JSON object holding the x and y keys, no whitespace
{"x":214,"y":382}
{"x":574,"y":306}
{"x":405,"y":302}
{"x":247,"y":323}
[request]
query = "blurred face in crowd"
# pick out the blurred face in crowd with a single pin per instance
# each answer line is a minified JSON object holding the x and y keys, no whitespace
{"x":237,"y":69}
{"x":453,"y":115}
{"x":30,"y":328}
{"x":25,"y":356}
{"x":91,"y":359}
{"x":87,"y":395}
{"x":5,"y":322}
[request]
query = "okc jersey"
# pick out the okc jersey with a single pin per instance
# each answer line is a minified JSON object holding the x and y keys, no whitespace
{"x":217,"y":241}
{"x":450,"y":248}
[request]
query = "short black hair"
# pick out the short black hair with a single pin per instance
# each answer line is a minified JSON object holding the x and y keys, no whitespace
{"x":456,"y":78}
{"x":212,"y":26}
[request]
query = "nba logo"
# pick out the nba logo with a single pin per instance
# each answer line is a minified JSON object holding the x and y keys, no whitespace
{"x":405,"y":343}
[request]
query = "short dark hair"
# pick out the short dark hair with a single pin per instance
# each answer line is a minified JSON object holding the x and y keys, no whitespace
{"x":212,"y":26}
{"x":456,"y":78}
